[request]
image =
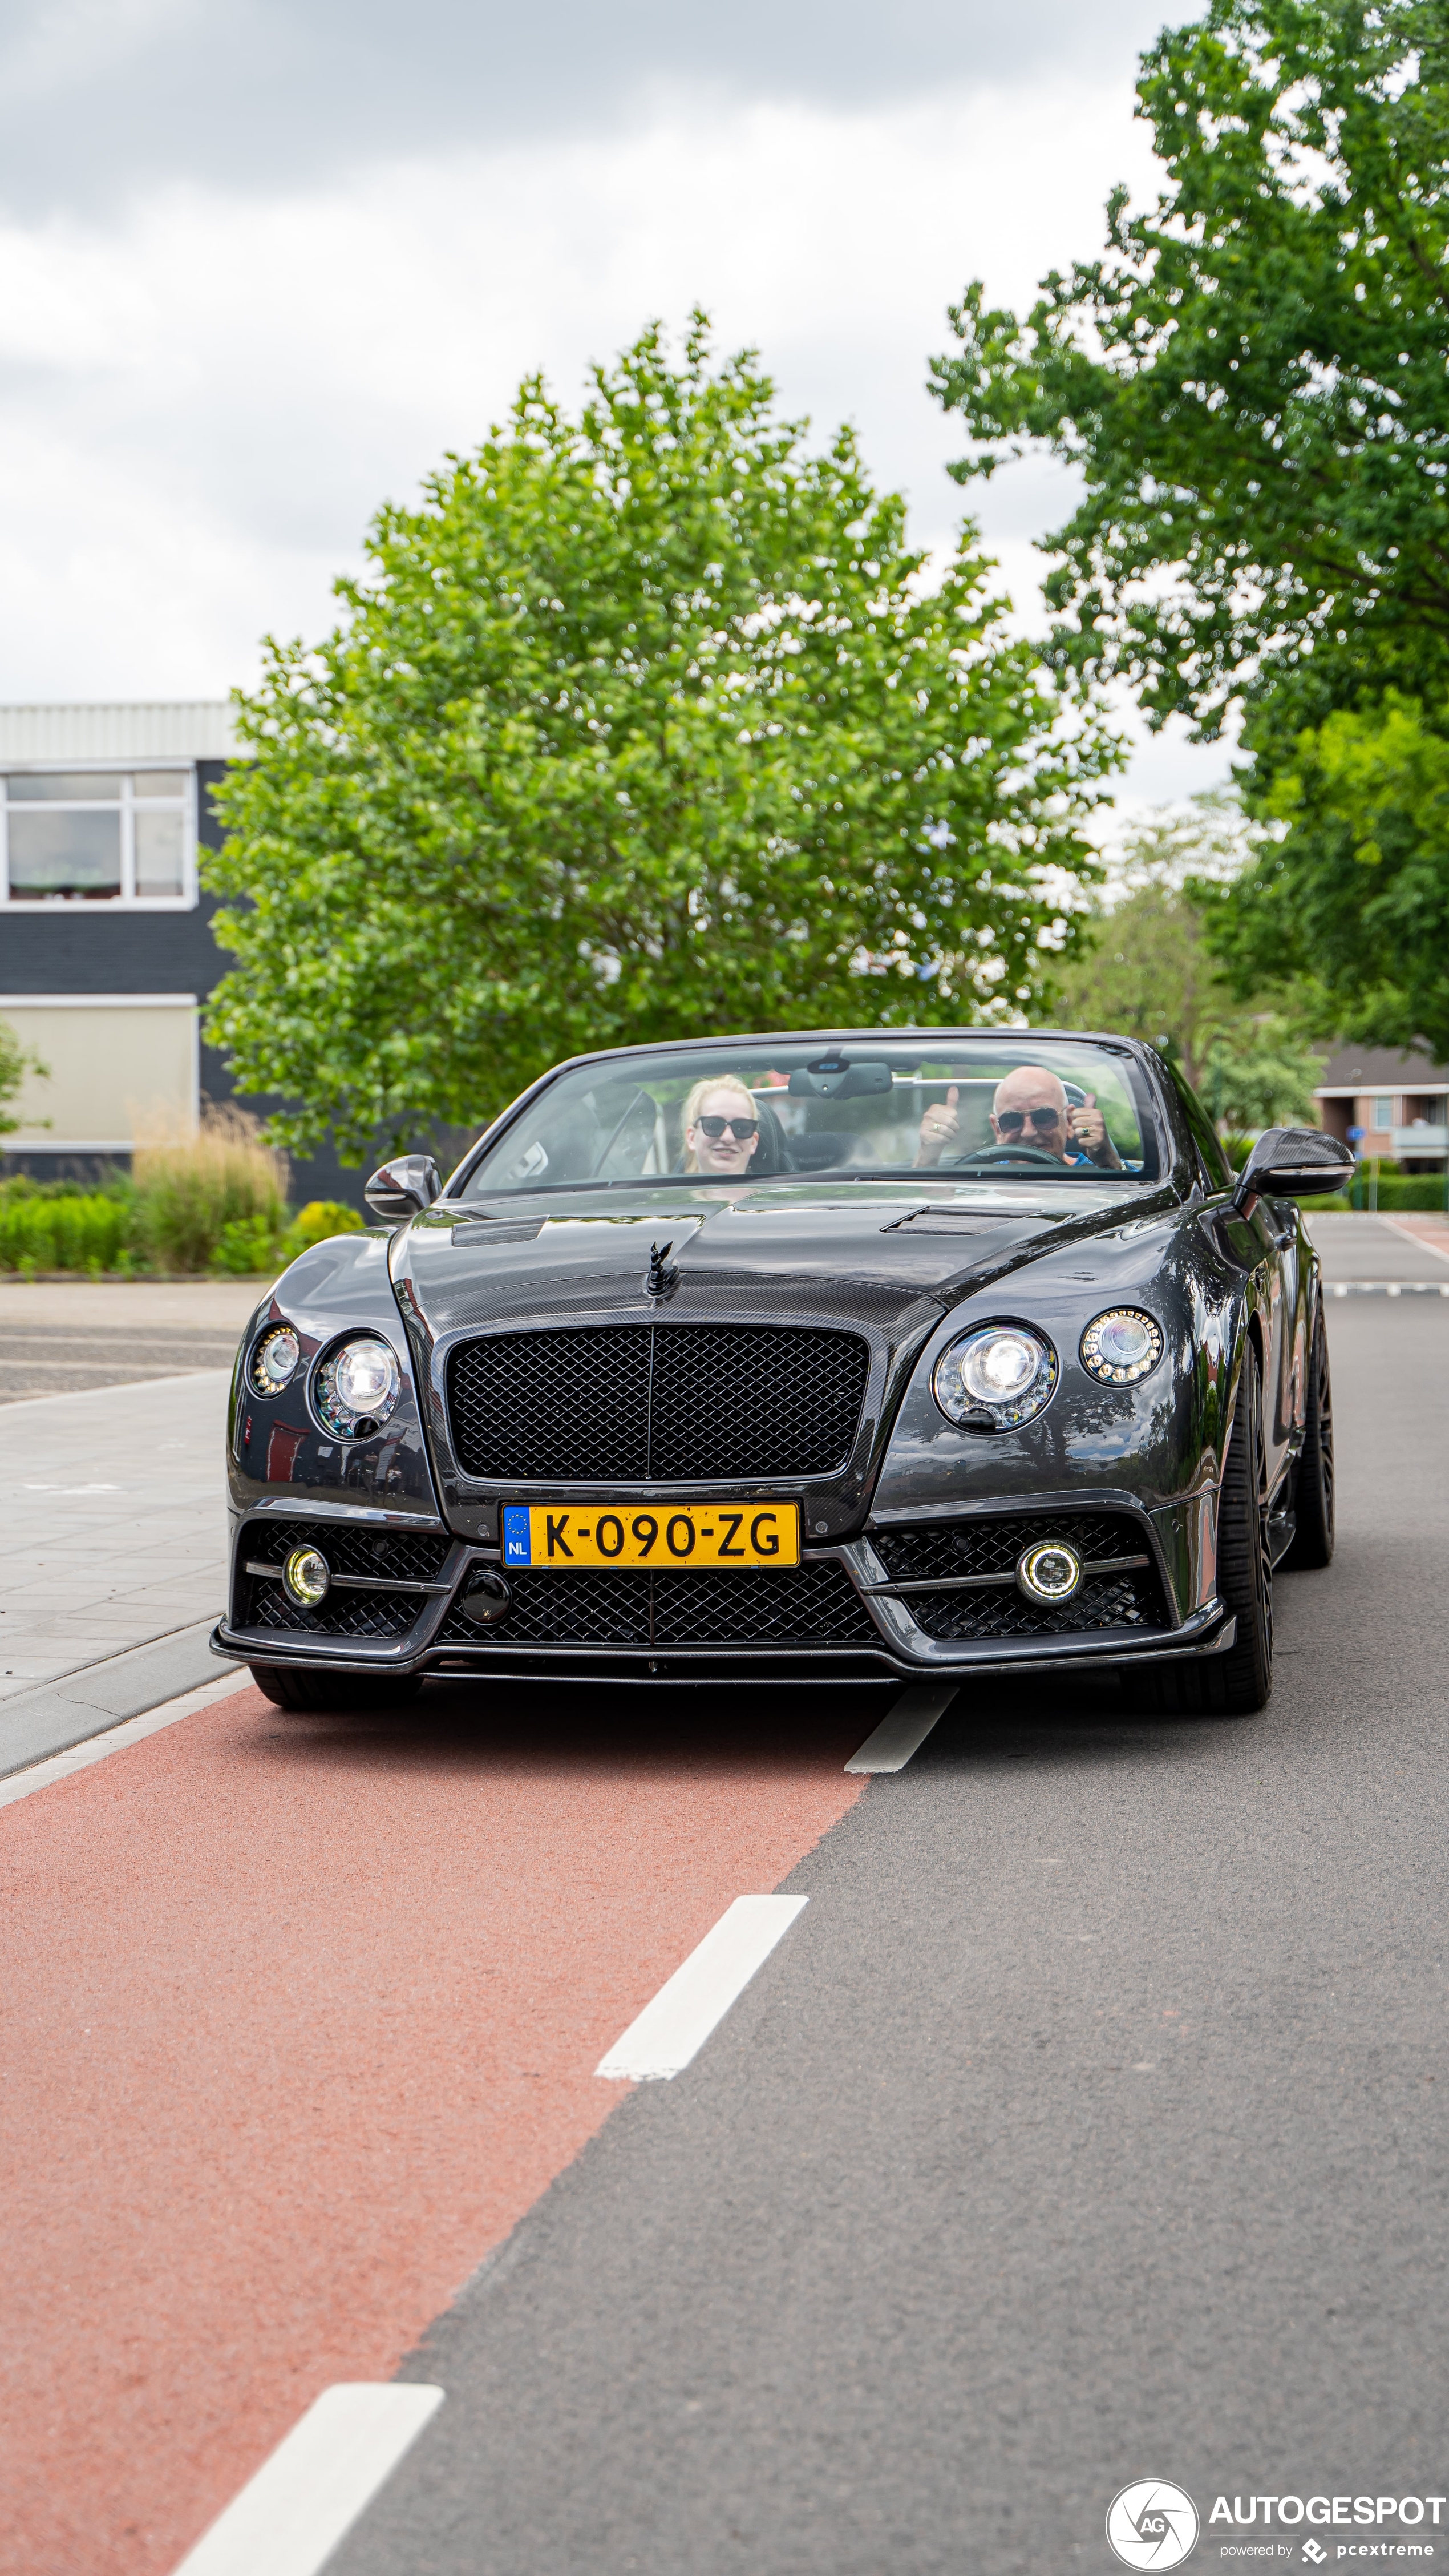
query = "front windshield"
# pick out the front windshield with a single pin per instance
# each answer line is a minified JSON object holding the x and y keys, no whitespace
{"x":1015,"y":1107}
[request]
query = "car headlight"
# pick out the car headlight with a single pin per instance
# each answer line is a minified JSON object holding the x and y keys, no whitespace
{"x":1121,"y":1346}
{"x":274,"y":1361}
{"x":357,"y":1388}
{"x":995,"y":1377}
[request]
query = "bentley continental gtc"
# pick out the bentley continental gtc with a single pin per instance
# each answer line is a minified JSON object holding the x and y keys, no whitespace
{"x":851,"y":1357}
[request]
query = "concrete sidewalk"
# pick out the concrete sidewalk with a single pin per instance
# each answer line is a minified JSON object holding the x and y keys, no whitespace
{"x":112,"y":1524}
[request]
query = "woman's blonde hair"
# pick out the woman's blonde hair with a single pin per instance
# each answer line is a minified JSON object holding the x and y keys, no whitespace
{"x":696,"y":1100}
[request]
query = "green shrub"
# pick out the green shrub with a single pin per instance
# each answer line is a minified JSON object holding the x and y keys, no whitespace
{"x":191,"y":1195}
{"x":82,"y":1232}
{"x":315,"y":1222}
{"x":246,"y":1247}
{"x":1399,"y":1194}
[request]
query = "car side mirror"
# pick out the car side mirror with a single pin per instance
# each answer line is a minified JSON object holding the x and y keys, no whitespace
{"x":403,"y":1187}
{"x":1293,"y":1163}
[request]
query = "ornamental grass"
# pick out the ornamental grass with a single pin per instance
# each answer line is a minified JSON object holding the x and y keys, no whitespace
{"x":192,"y":1191}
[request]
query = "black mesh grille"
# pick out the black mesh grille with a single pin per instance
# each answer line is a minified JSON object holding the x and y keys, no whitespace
{"x":811,"y":1605}
{"x":405,"y":1556}
{"x":400,"y":1556}
{"x":631,"y":1403}
{"x":1119,"y":1601}
{"x":342,"y":1614}
{"x":933,"y":1549}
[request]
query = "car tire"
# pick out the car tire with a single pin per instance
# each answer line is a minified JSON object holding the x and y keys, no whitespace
{"x":1240,"y":1682}
{"x":1313,"y":1498}
{"x":314,"y":1694}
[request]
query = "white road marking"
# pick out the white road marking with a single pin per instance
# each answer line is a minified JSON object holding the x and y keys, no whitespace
{"x":1407,"y":1231}
{"x":903,"y":1730}
{"x":70,"y":1489}
{"x":289,"y":2518}
{"x":132,"y":1730}
{"x":674,"y":2027}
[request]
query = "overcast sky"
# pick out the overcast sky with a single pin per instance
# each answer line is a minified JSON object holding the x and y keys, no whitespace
{"x":263,"y":261}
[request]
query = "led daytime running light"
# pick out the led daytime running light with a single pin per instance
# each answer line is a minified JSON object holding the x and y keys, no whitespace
{"x":1121,"y":1346}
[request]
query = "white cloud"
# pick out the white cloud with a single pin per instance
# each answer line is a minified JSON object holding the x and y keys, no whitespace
{"x":203,"y":400}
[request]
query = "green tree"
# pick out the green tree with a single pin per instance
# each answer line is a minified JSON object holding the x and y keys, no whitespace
{"x":1251,"y":384}
{"x":642,"y":723}
{"x":16,"y":1062}
{"x":1148,"y":970}
{"x":1251,"y":381}
{"x":1360,"y":883}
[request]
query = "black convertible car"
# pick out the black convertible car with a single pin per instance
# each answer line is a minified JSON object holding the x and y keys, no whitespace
{"x":842,"y":1357}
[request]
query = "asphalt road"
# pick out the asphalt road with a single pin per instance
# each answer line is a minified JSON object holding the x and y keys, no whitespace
{"x":1089,"y":2126}
{"x":1085,"y":2126}
{"x":72,"y":1336}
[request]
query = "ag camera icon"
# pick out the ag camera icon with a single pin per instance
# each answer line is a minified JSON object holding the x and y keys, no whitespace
{"x":1152,"y":2524}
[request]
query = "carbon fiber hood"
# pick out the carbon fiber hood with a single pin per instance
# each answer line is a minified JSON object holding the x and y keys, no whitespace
{"x":886,"y":1261}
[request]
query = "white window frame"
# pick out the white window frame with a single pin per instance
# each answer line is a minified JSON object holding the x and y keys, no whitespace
{"x":1384,"y":1100}
{"x":127,"y":900}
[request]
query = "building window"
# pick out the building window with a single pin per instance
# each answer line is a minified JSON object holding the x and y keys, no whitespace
{"x":1383,"y":1112}
{"x":97,"y":836}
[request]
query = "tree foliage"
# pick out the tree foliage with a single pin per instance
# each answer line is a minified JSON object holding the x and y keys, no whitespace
{"x":641,"y":723}
{"x":1147,"y":968}
{"x":1252,"y":380}
{"x":16,"y":1063}
{"x":1252,"y":383}
{"x":1360,"y":882}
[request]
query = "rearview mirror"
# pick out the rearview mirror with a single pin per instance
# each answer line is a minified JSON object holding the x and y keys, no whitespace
{"x":403,"y":1187}
{"x":838,"y":1077}
{"x":1293,"y":1163}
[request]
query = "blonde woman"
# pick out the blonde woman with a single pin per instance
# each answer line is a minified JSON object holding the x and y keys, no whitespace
{"x":721,"y":1129}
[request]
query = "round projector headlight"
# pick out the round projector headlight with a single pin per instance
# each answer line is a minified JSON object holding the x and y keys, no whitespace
{"x":307,"y":1576}
{"x":1049,"y":1572}
{"x":995,"y":1377}
{"x":1121,"y":1346}
{"x":274,"y":1361}
{"x":357,"y":1389}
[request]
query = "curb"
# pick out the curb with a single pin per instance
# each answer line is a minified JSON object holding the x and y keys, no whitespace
{"x":56,"y":1715}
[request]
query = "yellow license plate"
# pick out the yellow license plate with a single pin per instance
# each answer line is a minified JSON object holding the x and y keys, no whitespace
{"x":738,"y":1534}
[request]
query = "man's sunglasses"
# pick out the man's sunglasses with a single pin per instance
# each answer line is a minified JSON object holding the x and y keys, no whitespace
{"x":1011,"y":1121}
{"x":740,"y":1128}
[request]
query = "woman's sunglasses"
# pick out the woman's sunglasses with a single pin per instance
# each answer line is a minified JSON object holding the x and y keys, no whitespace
{"x":1011,"y":1121}
{"x":740,"y":1128}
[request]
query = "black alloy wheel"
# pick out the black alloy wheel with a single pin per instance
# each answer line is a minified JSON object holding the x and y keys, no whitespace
{"x":1240,"y":1682}
{"x":1314,"y":1492}
{"x":321,"y":1694}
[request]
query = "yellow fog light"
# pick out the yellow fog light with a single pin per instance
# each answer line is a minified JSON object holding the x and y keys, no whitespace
{"x":307,"y":1576}
{"x":1051,"y":1571}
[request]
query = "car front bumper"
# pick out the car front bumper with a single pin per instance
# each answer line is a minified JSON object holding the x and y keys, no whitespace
{"x":839,"y":1618}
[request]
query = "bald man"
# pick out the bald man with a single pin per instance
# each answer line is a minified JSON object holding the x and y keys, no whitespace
{"x":1029,"y":1108}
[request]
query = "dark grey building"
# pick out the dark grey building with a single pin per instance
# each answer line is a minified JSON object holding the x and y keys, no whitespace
{"x":106,"y":951}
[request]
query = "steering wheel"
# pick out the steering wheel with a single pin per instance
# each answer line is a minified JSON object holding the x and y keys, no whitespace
{"x":1001,"y":1155}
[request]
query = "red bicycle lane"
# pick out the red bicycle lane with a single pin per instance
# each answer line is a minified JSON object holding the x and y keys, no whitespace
{"x":300,"y":2016}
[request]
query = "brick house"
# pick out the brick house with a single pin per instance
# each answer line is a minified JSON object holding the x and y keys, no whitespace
{"x":1400,"y":1103}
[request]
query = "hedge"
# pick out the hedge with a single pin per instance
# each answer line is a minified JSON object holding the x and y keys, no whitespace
{"x":84,"y":1233}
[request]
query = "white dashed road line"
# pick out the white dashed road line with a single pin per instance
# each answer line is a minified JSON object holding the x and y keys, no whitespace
{"x":674,"y":2027}
{"x":289,"y":2518}
{"x":903,"y":1730}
